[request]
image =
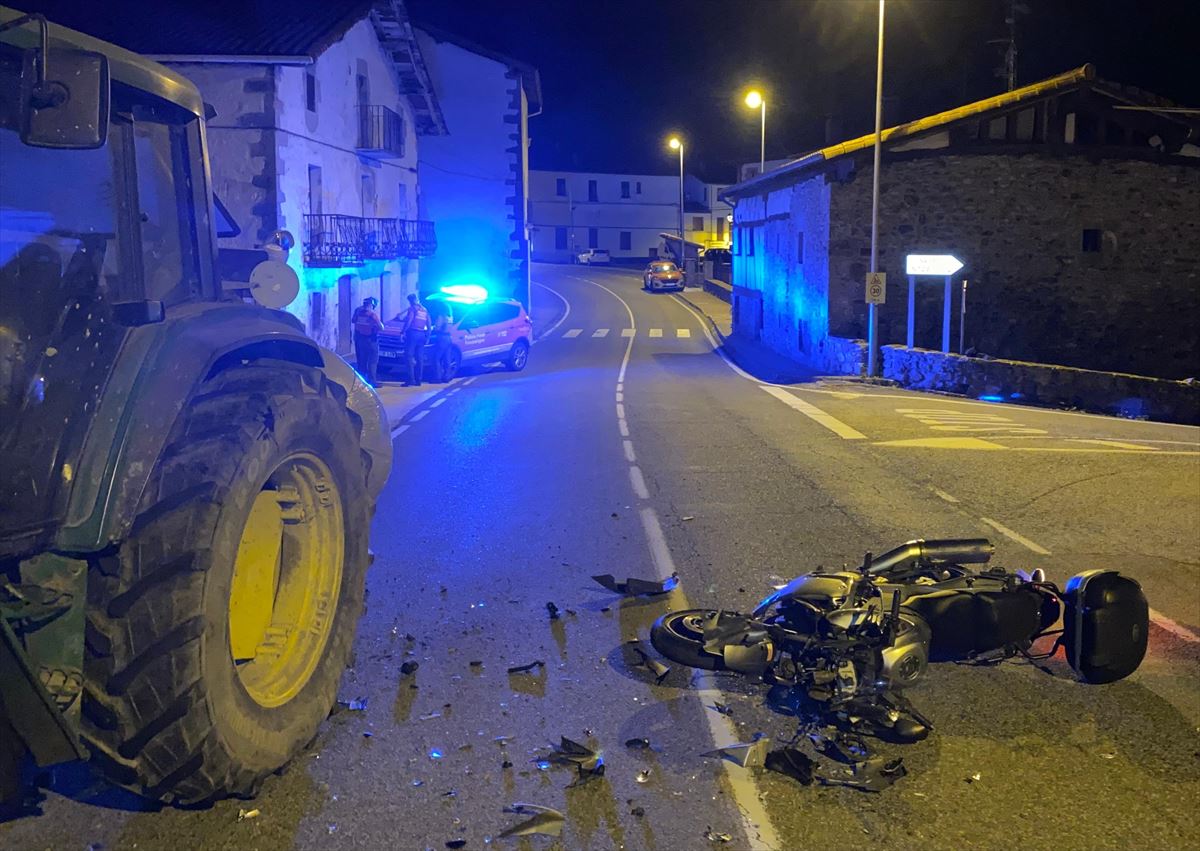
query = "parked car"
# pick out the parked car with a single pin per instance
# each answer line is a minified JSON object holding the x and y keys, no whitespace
{"x":662,"y":275}
{"x":594,"y":257}
{"x":482,"y":331}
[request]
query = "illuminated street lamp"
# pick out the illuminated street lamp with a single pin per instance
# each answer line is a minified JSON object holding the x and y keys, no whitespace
{"x":755,"y":100}
{"x":676,"y":144}
{"x":872,"y":309}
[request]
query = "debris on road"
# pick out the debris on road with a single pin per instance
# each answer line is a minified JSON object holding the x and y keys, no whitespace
{"x":638,"y":812}
{"x":644,"y":660}
{"x":637,"y":744}
{"x":643,"y":776}
{"x":525,"y":669}
{"x":686,"y":519}
{"x":973,"y":778}
{"x":722,"y":708}
{"x":792,"y":763}
{"x":872,"y":775}
{"x":752,"y":754}
{"x":712,"y":836}
{"x":544,"y":820}
{"x":359,"y":704}
{"x":246,"y":815}
{"x":456,"y":843}
{"x":409,"y":668}
{"x":633,"y":587}
{"x":552,"y":610}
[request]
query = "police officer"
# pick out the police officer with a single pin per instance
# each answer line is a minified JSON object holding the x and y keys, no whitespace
{"x":416,"y":336}
{"x":442,"y":344}
{"x":367,"y":326}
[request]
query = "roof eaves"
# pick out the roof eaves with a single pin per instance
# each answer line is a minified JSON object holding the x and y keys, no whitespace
{"x":913,"y":128}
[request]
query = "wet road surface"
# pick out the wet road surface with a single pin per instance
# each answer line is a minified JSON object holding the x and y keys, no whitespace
{"x":629,"y":447}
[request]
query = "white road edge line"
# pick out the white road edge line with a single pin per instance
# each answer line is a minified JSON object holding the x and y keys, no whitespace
{"x":438,"y":402}
{"x":716,"y":347}
{"x":1015,"y":536}
{"x":760,"y":833}
{"x":620,"y":396}
{"x":620,"y":411}
{"x":815,"y":414}
{"x":418,"y":416}
{"x":399,"y":430}
{"x":632,"y":327}
{"x":624,"y":427}
{"x":561,"y":319}
{"x":627,"y":445}
{"x":945,"y":496}
{"x":1176,"y":629}
{"x":639,"y":482}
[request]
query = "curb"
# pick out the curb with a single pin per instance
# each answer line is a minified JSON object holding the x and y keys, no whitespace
{"x":711,"y":322}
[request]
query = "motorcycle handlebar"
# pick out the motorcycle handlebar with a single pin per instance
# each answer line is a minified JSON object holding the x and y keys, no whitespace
{"x":957,"y":550}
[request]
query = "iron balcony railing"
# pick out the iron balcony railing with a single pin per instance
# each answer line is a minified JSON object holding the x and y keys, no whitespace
{"x":380,"y":131}
{"x":333,"y":240}
{"x":389,"y":239}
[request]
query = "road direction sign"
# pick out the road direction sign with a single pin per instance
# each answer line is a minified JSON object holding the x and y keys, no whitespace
{"x":876,"y":287}
{"x":938,"y":265}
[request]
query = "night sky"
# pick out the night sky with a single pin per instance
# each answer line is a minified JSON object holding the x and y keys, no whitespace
{"x":617,"y":75}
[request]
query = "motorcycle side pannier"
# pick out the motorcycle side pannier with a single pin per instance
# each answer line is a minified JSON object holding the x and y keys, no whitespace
{"x":1105,"y":625}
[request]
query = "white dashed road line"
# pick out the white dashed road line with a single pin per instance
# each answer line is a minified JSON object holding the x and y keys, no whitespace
{"x":600,"y":332}
{"x":683,"y":332}
{"x":1014,"y":536}
{"x":574,"y":332}
{"x":942,"y":494}
{"x":639,"y":482}
{"x":399,"y":430}
{"x":655,"y":332}
{"x":627,"y":445}
{"x":628,"y":332}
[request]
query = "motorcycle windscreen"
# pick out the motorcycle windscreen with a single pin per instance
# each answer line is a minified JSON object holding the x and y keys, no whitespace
{"x":1105,"y":626}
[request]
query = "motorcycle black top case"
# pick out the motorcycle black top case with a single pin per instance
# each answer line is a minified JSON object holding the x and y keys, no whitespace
{"x":1106,"y":623}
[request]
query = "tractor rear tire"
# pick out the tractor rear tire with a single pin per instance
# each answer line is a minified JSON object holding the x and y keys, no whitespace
{"x":167,"y":710}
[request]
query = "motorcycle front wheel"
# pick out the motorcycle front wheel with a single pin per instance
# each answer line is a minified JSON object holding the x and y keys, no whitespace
{"x":680,"y":637}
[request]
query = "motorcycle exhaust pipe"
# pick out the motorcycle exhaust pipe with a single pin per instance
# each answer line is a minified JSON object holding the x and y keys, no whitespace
{"x":957,"y":550}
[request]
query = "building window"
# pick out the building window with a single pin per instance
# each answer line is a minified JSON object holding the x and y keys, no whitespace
{"x":560,"y":187}
{"x":697,"y":224}
{"x":593,"y":237}
{"x":560,"y":238}
{"x":310,"y":91}
{"x":750,"y":242}
{"x":624,"y":188}
{"x":316,"y":194}
{"x":592,"y":195}
{"x":316,"y":310}
{"x":626,"y":240}
{"x":638,"y":187}
{"x":800,"y":247}
{"x":720,"y":228}
{"x":1092,"y":238}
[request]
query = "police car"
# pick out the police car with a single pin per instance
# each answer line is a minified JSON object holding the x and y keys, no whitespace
{"x":482,"y":330}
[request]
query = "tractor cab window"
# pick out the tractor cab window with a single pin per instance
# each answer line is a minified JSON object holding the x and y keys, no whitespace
{"x":165,"y":207}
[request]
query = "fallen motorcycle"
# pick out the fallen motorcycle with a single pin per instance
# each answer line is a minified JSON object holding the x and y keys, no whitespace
{"x":844,"y":645}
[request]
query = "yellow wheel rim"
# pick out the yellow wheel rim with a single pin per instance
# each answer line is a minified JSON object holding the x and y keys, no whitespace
{"x":286,"y":580}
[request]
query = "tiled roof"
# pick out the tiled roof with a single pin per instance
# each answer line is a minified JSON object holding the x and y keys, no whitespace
{"x":211,"y":27}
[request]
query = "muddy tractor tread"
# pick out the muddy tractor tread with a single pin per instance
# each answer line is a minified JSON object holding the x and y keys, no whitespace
{"x":164,"y":712}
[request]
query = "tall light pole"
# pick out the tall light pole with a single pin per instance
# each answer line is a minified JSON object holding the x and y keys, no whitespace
{"x":677,"y":145}
{"x":872,"y":310}
{"x":755,"y":100}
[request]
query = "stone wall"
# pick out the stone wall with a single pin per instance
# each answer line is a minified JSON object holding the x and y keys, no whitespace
{"x":1017,"y":222}
{"x":1043,"y":384}
{"x":839,"y":356}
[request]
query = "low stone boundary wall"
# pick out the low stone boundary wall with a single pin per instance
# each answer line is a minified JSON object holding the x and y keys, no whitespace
{"x":720,"y":289}
{"x":1111,"y":393}
{"x":841,"y":356}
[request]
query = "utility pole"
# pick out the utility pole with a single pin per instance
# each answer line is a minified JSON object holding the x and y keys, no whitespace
{"x":873,"y":359}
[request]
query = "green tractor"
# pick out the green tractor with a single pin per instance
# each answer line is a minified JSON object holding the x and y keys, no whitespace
{"x":187,"y":480}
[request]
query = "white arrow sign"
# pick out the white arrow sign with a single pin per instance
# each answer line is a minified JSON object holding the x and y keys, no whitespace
{"x":931,"y":264}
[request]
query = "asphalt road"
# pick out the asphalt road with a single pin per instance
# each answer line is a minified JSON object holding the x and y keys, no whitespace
{"x":629,"y":447}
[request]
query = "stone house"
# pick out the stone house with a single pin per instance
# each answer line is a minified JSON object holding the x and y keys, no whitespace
{"x":1072,"y":202}
{"x":475,"y":178}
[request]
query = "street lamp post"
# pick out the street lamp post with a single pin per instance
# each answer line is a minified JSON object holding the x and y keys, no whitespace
{"x":755,"y":100}
{"x":677,"y":145}
{"x":872,"y":309}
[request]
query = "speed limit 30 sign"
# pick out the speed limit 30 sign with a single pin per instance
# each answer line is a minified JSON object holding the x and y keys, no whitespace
{"x":876,"y":287}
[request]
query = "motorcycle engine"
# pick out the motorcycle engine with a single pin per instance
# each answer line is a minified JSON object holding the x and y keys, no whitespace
{"x":904,"y":661}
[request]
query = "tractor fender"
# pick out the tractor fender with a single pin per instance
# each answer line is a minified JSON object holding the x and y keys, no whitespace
{"x":159,"y":369}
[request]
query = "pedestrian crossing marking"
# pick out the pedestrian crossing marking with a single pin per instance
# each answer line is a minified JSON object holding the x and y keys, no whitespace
{"x":627,"y":332}
{"x":683,"y":332}
{"x":574,"y":332}
{"x":655,"y":332}
{"x":600,"y":332}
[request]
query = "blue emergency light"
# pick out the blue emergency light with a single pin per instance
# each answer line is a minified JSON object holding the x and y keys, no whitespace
{"x":465,"y":293}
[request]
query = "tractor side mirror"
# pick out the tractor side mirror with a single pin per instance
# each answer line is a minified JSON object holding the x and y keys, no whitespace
{"x":64,"y":99}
